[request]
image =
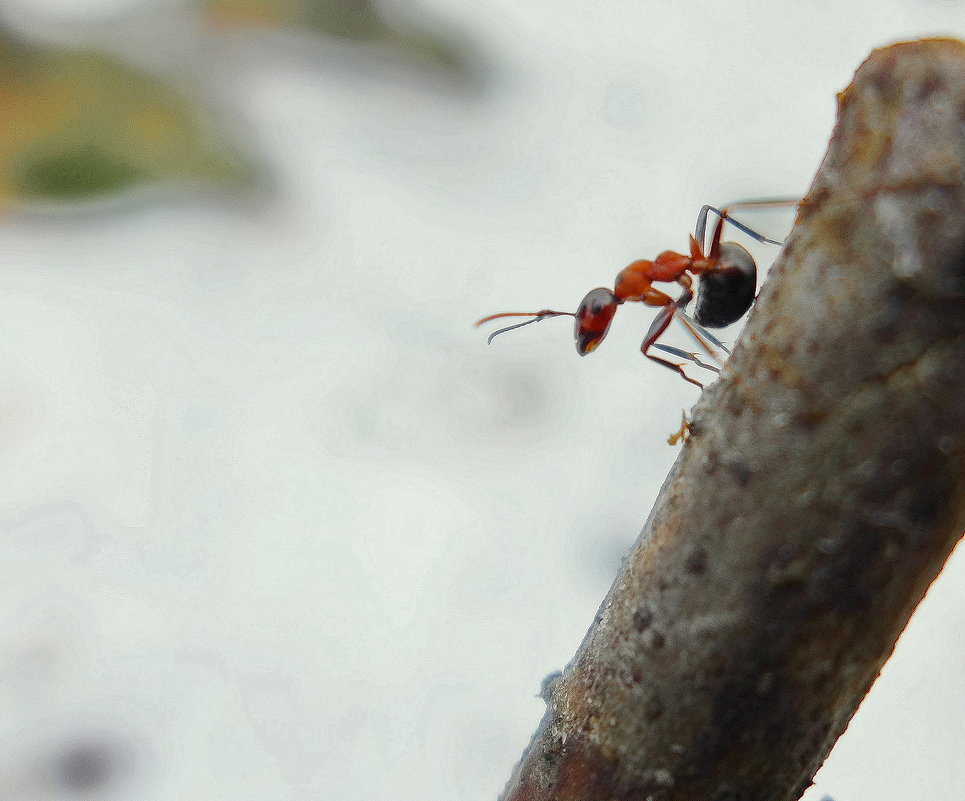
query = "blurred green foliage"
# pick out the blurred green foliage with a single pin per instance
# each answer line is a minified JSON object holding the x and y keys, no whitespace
{"x":360,"y":20}
{"x":80,"y":124}
{"x":79,"y":173}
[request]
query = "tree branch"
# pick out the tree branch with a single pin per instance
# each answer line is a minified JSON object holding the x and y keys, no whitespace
{"x":821,"y":491}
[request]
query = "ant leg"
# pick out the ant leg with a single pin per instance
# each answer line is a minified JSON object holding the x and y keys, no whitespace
{"x":685,"y":354}
{"x":703,"y":337}
{"x":677,"y":368}
{"x":725,"y":214}
{"x":712,"y":346}
{"x":657,"y":327}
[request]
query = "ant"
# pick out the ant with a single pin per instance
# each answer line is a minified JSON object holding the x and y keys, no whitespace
{"x":726,"y":284}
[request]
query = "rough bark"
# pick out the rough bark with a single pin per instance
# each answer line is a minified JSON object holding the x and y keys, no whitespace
{"x":820,"y":493}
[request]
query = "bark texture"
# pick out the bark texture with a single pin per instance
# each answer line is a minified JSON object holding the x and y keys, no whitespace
{"x":821,"y":491}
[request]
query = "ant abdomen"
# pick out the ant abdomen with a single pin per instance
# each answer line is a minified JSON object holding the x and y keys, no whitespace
{"x":726,"y":293}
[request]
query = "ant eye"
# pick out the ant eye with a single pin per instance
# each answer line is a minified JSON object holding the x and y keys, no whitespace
{"x":726,"y":293}
{"x":593,"y":319}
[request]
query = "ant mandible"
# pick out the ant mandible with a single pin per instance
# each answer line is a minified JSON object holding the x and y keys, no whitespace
{"x":726,"y":279}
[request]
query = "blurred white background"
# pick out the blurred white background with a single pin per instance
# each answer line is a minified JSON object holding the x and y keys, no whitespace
{"x":276,"y":522}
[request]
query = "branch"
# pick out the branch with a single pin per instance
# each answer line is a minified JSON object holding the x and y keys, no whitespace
{"x":820,"y":493}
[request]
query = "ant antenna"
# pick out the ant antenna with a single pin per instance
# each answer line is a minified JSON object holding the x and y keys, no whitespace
{"x":537,"y":316}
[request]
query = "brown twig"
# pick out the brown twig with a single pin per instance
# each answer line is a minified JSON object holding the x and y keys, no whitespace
{"x":820,"y":492}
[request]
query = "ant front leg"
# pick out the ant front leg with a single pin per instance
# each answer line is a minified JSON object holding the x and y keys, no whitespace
{"x":659,"y":325}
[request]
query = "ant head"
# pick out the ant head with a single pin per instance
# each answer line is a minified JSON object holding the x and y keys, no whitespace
{"x":593,"y":318}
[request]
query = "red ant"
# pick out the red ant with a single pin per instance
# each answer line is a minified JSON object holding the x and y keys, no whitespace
{"x":726,"y":279}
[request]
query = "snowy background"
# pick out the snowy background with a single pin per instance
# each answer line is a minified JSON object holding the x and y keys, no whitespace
{"x":276,"y":522}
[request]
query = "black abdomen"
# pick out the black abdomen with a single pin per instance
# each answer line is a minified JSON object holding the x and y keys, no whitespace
{"x":725,"y":294}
